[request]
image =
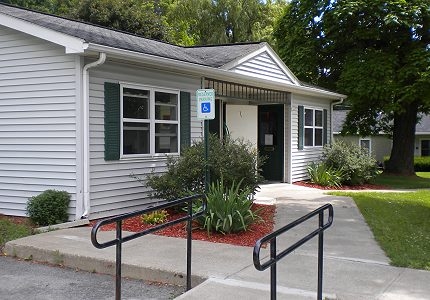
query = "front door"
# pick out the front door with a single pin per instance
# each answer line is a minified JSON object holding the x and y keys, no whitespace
{"x":271,"y":140}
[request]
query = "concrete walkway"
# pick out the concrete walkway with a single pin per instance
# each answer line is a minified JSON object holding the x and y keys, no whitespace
{"x":354,"y":265}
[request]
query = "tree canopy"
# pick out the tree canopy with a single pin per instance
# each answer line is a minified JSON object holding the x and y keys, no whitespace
{"x":202,"y":22}
{"x":181,"y":22}
{"x":377,"y":52}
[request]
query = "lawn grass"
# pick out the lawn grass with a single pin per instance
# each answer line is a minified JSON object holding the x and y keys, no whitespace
{"x":423,"y":174}
{"x":421,"y":181}
{"x":11,"y":231}
{"x":400,"y":223}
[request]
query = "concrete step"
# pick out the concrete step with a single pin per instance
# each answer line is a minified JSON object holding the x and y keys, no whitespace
{"x":217,"y":288}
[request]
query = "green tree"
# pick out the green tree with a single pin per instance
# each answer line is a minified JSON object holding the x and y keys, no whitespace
{"x":142,"y":17}
{"x":377,"y":52}
{"x":203,"y":22}
{"x":136,"y":16}
{"x":56,"y":7}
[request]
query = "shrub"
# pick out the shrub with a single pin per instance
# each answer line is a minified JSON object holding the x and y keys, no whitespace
{"x":228,"y":209}
{"x":49,"y":208}
{"x":421,"y":163}
{"x":231,"y":159}
{"x":155,"y":217}
{"x":321,"y":174}
{"x":357,"y":165}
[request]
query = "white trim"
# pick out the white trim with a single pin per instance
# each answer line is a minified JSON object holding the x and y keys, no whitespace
{"x":72,"y":44}
{"x":205,"y":71}
{"x":366,"y":139}
{"x":151,"y":121}
{"x":420,"y":150}
{"x":313,"y":127}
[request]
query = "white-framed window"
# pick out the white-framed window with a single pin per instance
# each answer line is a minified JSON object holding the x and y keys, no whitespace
{"x":149,"y":121}
{"x":313,"y":127}
{"x":425,"y":147}
{"x":366,"y":143}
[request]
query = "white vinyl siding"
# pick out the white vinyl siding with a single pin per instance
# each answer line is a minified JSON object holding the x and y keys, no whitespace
{"x":301,"y":158}
{"x":37,"y":120}
{"x":113,"y":191}
{"x":287,"y":143}
{"x":262,"y":66}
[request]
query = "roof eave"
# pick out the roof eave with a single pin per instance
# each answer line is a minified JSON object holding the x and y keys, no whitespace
{"x":70,"y":43}
{"x":206,"y":71}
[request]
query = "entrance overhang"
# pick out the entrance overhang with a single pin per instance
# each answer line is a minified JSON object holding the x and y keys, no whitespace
{"x":225,"y":89}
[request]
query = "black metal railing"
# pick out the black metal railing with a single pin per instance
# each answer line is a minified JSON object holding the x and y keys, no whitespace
{"x":119,"y":240}
{"x":274,"y":257}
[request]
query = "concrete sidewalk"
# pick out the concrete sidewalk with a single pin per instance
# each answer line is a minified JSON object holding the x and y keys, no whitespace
{"x":354,"y":265}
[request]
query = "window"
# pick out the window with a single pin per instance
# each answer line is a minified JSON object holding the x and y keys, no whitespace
{"x":366,"y":144}
{"x":313,"y":127}
{"x":149,"y":121}
{"x":425,"y":147}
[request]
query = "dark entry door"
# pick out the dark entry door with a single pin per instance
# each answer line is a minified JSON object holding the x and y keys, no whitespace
{"x":271,"y":140}
{"x":425,"y":147}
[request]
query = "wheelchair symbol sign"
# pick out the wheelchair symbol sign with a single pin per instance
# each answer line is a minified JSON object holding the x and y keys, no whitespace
{"x":206,"y":107}
{"x":205,"y":104}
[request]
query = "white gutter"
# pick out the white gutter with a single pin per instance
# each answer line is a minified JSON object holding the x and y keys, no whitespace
{"x":206,"y":71}
{"x":86,"y":131}
{"x":331,"y":116}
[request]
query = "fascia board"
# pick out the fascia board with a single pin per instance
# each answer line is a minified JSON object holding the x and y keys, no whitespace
{"x":205,"y":71}
{"x":71,"y":44}
{"x":271,"y":53}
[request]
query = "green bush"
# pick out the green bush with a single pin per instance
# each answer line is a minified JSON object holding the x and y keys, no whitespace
{"x":228,"y":209}
{"x":324,"y":175}
{"x":231,"y":159}
{"x":421,"y":163}
{"x":49,"y":208}
{"x":357,"y":165}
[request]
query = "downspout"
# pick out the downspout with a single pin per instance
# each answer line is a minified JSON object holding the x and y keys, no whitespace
{"x":86,"y":131}
{"x":331,"y":117}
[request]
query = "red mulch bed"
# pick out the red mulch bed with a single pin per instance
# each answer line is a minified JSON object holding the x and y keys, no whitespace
{"x":246,"y":238}
{"x":343,"y":187}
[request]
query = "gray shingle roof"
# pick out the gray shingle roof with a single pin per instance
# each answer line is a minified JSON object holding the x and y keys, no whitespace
{"x":339,"y":117}
{"x":423,"y":125}
{"x":212,"y":56}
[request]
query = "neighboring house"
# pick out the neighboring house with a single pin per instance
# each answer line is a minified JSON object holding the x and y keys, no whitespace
{"x":380,"y":145}
{"x":82,"y":107}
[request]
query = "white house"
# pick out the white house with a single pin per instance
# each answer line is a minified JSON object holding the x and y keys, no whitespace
{"x":82,"y":107}
{"x":380,"y":145}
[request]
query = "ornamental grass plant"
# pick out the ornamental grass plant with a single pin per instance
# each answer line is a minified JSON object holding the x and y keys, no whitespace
{"x":229,"y":209}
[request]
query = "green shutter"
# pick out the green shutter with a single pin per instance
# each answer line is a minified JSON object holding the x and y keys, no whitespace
{"x":325,"y":128}
{"x":301,"y":129}
{"x":185,"y":103}
{"x":112,"y":121}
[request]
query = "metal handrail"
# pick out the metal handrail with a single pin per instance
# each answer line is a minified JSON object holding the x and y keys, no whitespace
{"x":119,"y":239}
{"x":274,"y":257}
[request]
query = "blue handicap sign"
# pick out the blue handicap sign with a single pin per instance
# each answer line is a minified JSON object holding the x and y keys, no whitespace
{"x":206,"y":107}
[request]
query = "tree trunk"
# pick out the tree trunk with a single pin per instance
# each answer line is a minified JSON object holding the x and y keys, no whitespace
{"x":402,"y":153}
